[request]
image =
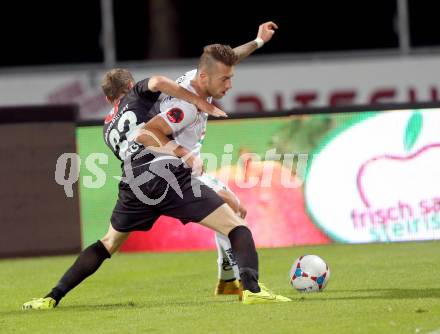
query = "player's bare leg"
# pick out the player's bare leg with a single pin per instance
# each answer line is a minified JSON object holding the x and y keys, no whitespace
{"x":87,"y":262}
{"x":113,"y":239}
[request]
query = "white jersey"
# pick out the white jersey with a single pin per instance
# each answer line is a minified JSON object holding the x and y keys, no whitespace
{"x":187,"y":123}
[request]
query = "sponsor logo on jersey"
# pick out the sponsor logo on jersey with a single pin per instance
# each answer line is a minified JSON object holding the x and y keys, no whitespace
{"x":175,"y":115}
{"x":112,"y":113}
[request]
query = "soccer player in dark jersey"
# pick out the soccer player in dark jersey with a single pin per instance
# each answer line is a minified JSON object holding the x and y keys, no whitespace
{"x":135,"y":107}
{"x":155,"y":182}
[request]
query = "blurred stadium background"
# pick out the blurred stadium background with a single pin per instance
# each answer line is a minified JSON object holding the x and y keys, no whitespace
{"x":325,"y":61}
{"x":352,"y":86}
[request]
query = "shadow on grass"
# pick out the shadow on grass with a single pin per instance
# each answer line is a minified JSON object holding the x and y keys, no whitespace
{"x":328,"y":295}
{"x":142,"y":305}
{"x":76,"y":307}
{"x":359,"y":294}
{"x":123,"y":305}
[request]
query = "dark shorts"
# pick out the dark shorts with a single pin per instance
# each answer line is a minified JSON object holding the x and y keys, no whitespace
{"x":175,"y":193}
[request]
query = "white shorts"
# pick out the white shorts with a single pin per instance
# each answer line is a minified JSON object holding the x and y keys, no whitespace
{"x":213,"y":183}
{"x":217,"y":185}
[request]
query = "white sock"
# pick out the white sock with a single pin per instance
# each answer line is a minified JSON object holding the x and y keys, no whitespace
{"x":227,"y":266}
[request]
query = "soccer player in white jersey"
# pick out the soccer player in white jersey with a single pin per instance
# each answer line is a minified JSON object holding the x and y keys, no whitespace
{"x":211,"y":79}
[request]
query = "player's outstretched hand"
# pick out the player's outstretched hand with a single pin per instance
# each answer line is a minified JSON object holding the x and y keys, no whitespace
{"x":216,"y":112}
{"x":210,"y":109}
{"x":242,"y":212}
{"x":266,"y":31}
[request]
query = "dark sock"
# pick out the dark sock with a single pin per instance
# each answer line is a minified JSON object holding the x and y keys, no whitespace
{"x":246,"y":256}
{"x":88,"y":261}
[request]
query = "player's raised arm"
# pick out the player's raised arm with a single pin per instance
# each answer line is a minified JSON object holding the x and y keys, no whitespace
{"x":264,"y":35}
{"x":170,"y":87}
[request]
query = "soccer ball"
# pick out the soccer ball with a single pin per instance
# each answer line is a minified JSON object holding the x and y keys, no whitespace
{"x":309,"y":273}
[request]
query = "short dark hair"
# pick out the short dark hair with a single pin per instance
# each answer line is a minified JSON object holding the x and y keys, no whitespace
{"x":116,"y":83}
{"x":218,"y":52}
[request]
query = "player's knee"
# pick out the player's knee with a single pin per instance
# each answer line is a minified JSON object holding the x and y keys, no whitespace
{"x":233,"y":223}
{"x":230,"y":221}
{"x":223,"y":220}
{"x":111,"y":243}
{"x":113,"y":240}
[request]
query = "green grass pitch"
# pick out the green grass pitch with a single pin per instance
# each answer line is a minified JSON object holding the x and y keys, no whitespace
{"x":376,"y":288}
